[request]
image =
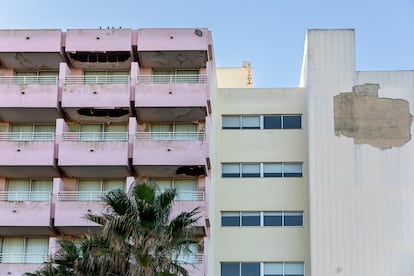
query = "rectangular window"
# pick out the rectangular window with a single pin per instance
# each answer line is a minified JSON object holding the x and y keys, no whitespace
{"x":293,"y":219}
{"x":29,"y":190}
{"x":262,"y":170}
{"x":272,"y":218}
{"x":250,"y":122}
{"x":250,"y":170}
{"x":292,"y":121}
{"x":250,"y":219}
{"x":231,"y":122}
{"x":230,"y":170}
{"x":93,"y":190}
{"x":292,"y":170}
{"x":24,"y":250}
{"x":230,"y":219}
{"x":272,"y":170}
{"x":105,"y":77}
{"x":32,"y":132}
{"x":266,"y":269}
{"x":101,"y":132}
{"x":267,"y":218}
{"x":175,"y":76}
{"x":272,"y":122}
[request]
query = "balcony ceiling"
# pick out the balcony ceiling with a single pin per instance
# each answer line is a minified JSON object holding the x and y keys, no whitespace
{"x":167,"y":171}
{"x":168,"y":114}
{"x":28,"y":171}
{"x":96,"y":116}
{"x":173,"y":59}
{"x":29,"y":115}
{"x":96,"y":171}
{"x":26,"y":230}
{"x":26,"y":61}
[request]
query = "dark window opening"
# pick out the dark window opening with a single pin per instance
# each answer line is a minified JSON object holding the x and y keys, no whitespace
{"x":100,"y":57}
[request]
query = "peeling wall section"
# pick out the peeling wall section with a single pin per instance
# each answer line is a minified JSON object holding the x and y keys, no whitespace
{"x":379,"y":122}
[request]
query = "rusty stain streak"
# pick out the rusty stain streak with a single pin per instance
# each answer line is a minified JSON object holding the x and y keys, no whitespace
{"x":379,"y":122}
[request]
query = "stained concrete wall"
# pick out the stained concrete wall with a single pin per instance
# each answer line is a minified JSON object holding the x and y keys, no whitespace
{"x":360,"y":196}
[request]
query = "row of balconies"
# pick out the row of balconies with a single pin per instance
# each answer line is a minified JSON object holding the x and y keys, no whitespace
{"x":62,"y":209}
{"x":26,"y":258}
{"x":105,"y":48}
{"x":103,"y":154}
{"x":104,"y":98}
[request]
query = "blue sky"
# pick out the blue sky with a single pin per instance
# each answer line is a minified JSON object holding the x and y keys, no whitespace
{"x":268,"y":33}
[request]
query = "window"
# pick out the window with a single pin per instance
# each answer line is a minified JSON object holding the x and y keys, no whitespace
{"x":32,"y":132}
{"x":262,"y":218}
{"x":24,"y":250}
{"x":187,"y":189}
{"x":177,"y":132}
{"x":175,"y":76}
{"x":188,"y":255}
{"x":266,"y":269}
{"x":111,"y":77}
{"x":262,"y":169}
{"x":93,"y":190}
{"x":39,"y":77}
{"x":29,"y":190}
{"x":262,"y":121}
{"x":102,"y":132}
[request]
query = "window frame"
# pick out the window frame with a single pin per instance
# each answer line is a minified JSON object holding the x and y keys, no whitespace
{"x":286,"y":121}
{"x":236,"y":218}
{"x":237,"y":268}
{"x":263,"y":173}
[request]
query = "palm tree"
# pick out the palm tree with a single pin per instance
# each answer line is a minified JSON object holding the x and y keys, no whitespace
{"x":138,"y":236}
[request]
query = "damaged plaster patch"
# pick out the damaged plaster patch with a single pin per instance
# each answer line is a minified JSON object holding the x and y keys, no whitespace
{"x":379,"y":122}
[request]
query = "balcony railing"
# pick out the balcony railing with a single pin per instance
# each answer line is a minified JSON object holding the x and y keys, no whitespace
{"x":190,"y":258}
{"x":121,"y":79}
{"x":23,"y":258}
{"x":81,"y":195}
{"x":170,"y":136}
{"x":25,"y":196}
{"x":190,"y":196}
{"x":27,"y":136}
{"x":95,"y":136}
{"x":160,"y":79}
{"x":28,"y":80}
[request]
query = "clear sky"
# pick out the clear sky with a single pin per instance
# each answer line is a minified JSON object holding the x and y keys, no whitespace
{"x":269,"y":34}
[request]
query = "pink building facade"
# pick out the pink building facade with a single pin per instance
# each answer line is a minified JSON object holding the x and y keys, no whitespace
{"x":86,"y":111}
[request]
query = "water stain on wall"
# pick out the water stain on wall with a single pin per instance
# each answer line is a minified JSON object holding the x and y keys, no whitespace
{"x":379,"y":122}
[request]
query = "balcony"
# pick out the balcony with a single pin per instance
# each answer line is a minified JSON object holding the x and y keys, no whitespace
{"x":187,"y":201}
{"x":28,"y":97}
{"x":169,"y":154}
{"x":160,"y":98}
{"x":27,"y":154}
{"x":25,"y":213}
{"x":94,"y":154}
{"x":31,"y":49}
{"x":196,"y":266}
{"x":97,"y":98}
{"x":99,"y":49}
{"x":71,"y":208}
{"x":173,"y":48}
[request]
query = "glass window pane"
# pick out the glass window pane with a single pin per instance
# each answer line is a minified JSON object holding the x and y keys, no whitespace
{"x":272,"y":218}
{"x":162,"y":76}
{"x":12,"y":250}
{"x":185,"y":132}
{"x":41,"y":190}
{"x":115,"y":132}
{"x":22,"y":133}
{"x":188,"y":255}
{"x":109,"y":185}
{"x":89,"y":190}
{"x":18,"y":190}
{"x":91,"y":132}
{"x":272,"y":122}
{"x":250,"y":170}
{"x":230,"y":170}
{"x":230,"y":219}
{"x":273,"y":269}
{"x":231,"y":122}
{"x":292,"y":170}
{"x":272,"y":170}
{"x":292,"y":122}
{"x":36,"y":250}
{"x":187,"y":76}
{"x":294,"y":269}
{"x":118,"y":76}
{"x":48,"y":77}
{"x":250,"y":219}
{"x":164,"y":184}
{"x":161,"y":132}
{"x":230,"y":269}
{"x":186,"y":188}
{"x":250,"y":269}
{"x":26,"y":77}
{"x":293,"y":219}
{"x":251,"y":122}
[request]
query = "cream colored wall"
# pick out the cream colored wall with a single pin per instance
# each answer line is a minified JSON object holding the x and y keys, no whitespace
{"x":259,"y":244}
{"x":361,"y":197}
{"x":235,"y":77}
